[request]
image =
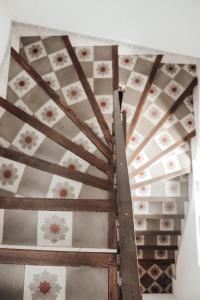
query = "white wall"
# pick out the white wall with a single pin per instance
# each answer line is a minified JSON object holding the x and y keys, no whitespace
{"x":187,"y":284}
{"x":159,"y":297}
{"x":5,"y":25}
{"x":171,"y":25}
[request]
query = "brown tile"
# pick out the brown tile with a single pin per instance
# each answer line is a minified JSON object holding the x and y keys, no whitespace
{"x":67,"y":76}
{"x":20,"y":227}
{"x":88,"y":69}
{"x":9,"y":126}
{"x":11,"y":285}
{"x":92,"y":283}
{"x":53,"y":44}
{"x":103,"y":86}
{"x":143,"y":66}
{"x":90,"y":230}
{"x":42,"y":65}
{"x":103,"y":53}
{"x":29,"y":40}
{"x":161,"y":80}
{"x":35,"y":98}
{"x":183,"y":78}
{"x":34,"y":183}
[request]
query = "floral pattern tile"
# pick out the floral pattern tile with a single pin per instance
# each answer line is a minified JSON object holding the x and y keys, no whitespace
{"x":163,"y":240}
{"x":171,"y":70}
{"x":74,"y":93}
{"x":154,"y":113}
{"x":28,"y":139}
{"x":85,"y":53}
{"x":105,"y":103}
{"x":164,"y":140}
{"x":60,"y":59}
{"x":102,"y":69}
{"x":137,"y":81}
{"x":136,"y":139}
{"x":54,"y":229}
{"x":173,"y":89}
{"x":161,"y":254}
{"x":35,"y":51}
{"x":188,"y":123}
{"x":127,"y":62}
{"x":44,"y":283}
{"x":141,"y":207}
{"x":169,"y":207}
{"x":143,"y":191}
{"x":166,"y":224}
{"x":172,"y":189}
{"x":21,"y":84}
{"x":172,"y":120}
{"x":191,"y":69}
{"x":49,"y":113}
{"x":10,"y":174}
{"x":171,"y":164}
{"x":140,"y":224}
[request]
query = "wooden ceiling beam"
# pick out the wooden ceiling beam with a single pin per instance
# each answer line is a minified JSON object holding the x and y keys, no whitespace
{"x":101,"y":146}
{"x":163,"y":153}
{"x":144,"y":95}
{"x":88,"y":91}
{"x":55,"y":204}
{"x":52,"y":168}
{"x":161,"y":178}
{"x":177,"y":103}
{"x":55,"y":136}
{"x":56,"y":258}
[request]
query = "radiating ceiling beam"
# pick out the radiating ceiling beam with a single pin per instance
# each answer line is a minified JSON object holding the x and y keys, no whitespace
{"x":55,"y":136}
{"x":163,"y":153}
{"x":143,"y":97}
{"x":177,"y":103}
{"x":103,"y":148}
{"x":55,"y":169}
{"x":88,"y":91}
{"x":161,"y":178}
{"x":57,"y":204}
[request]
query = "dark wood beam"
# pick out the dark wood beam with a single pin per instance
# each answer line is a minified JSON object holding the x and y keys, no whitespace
{"x":55,"y":136}
{"x":57,"y":204}
{"x":52,"y":168}
{"x":56,"y":258}
{"x":177,"y":103}
{"x":144,"y":95}
{"x":112,"y":283}
{"x":161,"y":178}
{"x":115,"y":67}
{"x":156,"y":247}
{"x":127,"y":244}
{"x":163,"y":153}
{"x":158,"y":232}
{"x":159,"y":216}
{"x":88,"y":91}
{"x":62,"y":104}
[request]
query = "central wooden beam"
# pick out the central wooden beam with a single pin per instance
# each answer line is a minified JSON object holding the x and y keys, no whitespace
{"x":144,"y":95}
{"x":161,"y":178}
{"x":163,"y":153}
{"x":127,"y":243}
{"x":52,"y":168}
{"x":177,"y":103}
{"x":55,"y":136}
{"x":57,"y":258}
{"x":57,"y":204}
{"x":88,"y":91}
{"x":62,"y":104}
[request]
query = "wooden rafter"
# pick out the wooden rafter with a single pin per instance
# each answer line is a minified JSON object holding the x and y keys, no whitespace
{"x":56,"y":258}
{"x":161,"y":178}
{"x":55,"y":136}
{"x":144,"y":95}
{"x":62,"y":105}
{"x":159,"y":216}
{"x":156,"y":199}
{"x":172,"y":109}
{"x":115,"y":67}
{"x":55,"y":204}
{"x":88,"y":91}
{"x":112,"y":283}
{"x":128,"y":251}
{"x":52,"y":168}
{"x":163,"y":153}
